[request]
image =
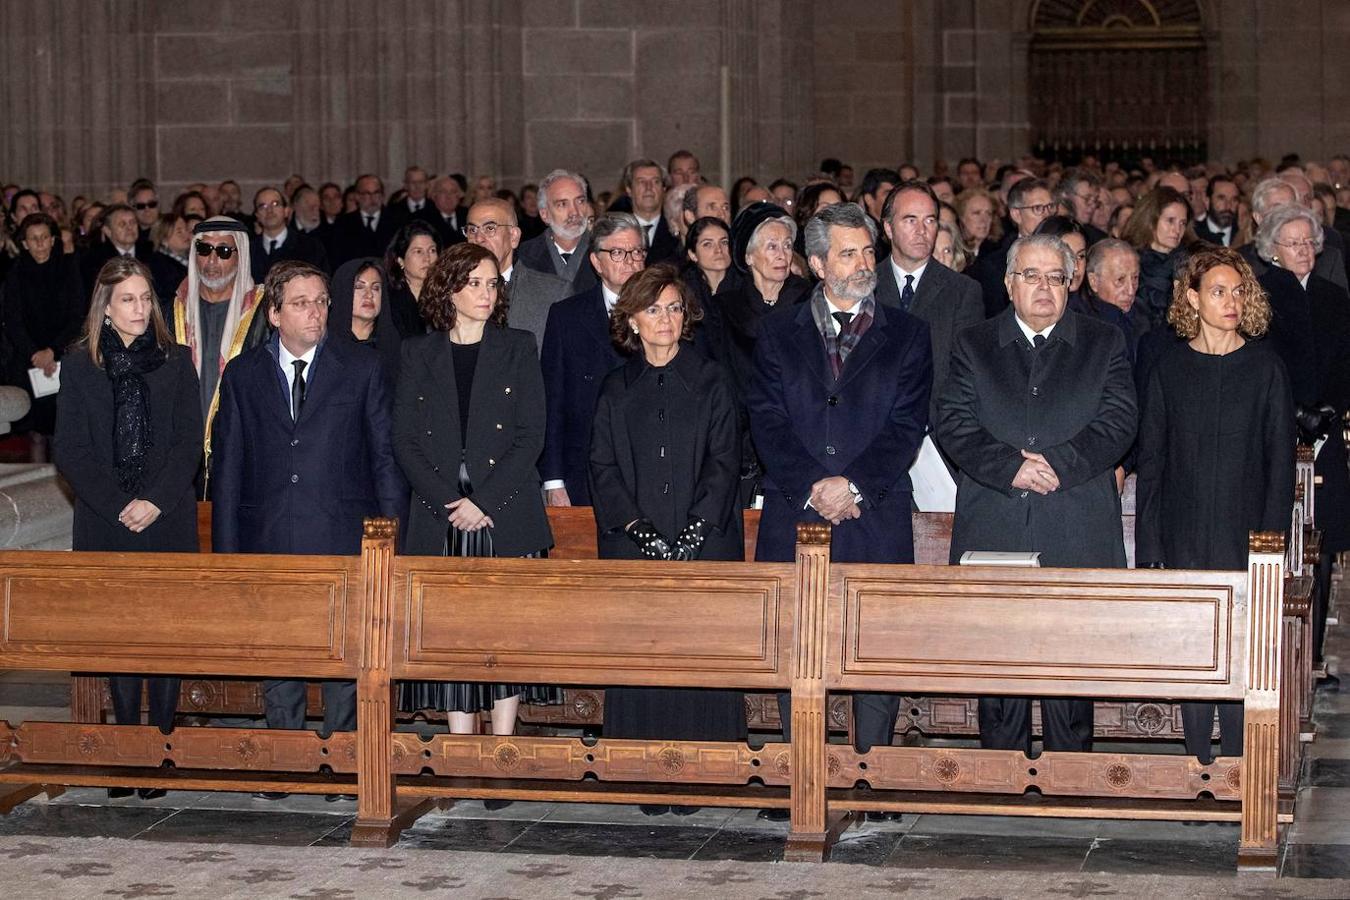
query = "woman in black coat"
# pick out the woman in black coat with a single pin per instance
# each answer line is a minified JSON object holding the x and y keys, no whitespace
{"x":468,"y":431}
{"x":361,"y":312}
{"x":665,"y":458}
{"x":1159,"y":230}
{"x":43,"y":311}
{"x":1216,"y":445}
{"x":761,"y":250}
{"x":407,"y":263}
{"x":129,"y":443}
{"x":1310,"y":328}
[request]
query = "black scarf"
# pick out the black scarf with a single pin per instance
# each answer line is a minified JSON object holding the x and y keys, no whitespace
{"x":133,"y":435}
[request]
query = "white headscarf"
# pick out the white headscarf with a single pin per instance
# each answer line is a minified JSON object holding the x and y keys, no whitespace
{"x":243,"y":284}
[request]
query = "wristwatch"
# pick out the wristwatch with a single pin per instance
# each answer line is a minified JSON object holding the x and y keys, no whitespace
{"x":853,"y":489}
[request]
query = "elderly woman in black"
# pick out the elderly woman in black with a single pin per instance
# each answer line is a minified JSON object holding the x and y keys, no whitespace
{"x":665,"y":458}
{"x":129,"y":442}
{"x":43,"y":312}
{"x":468,"y":431}
{"x":1216,"y":444}
{"x":1310,"y":329}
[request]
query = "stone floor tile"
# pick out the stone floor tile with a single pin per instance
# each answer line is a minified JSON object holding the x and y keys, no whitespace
{"x":1316,"y":861}
{"x":629,"y":814}
{"x":660,"y":841}
{"x":240,"y":827}
{"x":1172,"y":857}
{"x":980,"y":851}
{"x":1329,"y":773}
{"x":81,"y":821}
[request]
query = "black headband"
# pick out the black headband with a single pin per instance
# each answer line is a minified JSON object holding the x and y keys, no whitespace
{"x":209,"y":225}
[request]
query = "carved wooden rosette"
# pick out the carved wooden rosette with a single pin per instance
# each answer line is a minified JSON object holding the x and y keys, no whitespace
{"x":570,"y":759}
{"x":808,"y":836}
{"x":1260,"y":775}
{"x":1055,"y":774}
{"x":374,"y":691}
{"x":230,"y":749}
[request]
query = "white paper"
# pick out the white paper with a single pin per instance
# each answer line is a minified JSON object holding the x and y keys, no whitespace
{"x":1026,"y":560}
{"x":934,"y":490}
{"x":42,"y":385}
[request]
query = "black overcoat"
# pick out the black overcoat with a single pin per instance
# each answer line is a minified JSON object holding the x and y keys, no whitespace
{"x":665,"y":446}
{"x":1073,"y":401}
{"x":1215,"y":457}
{"x":84,"y":455}
{"x":506,"y":435}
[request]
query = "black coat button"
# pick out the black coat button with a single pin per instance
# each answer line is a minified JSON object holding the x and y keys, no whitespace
{"x":833,"y":401}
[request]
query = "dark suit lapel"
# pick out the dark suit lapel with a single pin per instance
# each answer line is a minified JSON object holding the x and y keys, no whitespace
{"x":873,"y":339}
{"x":887,"y":292}
{"x":268,"y":372}
{"x":597,"y":320}
{"x":810,"y":346}
{"x":929,"y":287}
{"x":330,"y":373}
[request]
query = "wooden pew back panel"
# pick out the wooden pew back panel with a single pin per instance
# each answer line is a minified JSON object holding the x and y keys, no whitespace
{"x":973,"y":629}
{"x":181,"y":614}
{"x":640,"y":623}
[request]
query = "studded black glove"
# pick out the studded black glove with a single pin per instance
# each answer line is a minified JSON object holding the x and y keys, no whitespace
{"x":650,"y":541}
{"x":1314,"y":423}
{"x":689,"y":542}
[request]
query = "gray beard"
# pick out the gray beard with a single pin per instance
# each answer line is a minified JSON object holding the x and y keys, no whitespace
{"x":215,"y":284}
{"x":852,"y":288}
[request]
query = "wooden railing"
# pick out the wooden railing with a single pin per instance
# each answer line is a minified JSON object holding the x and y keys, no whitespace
{"x":808,"y":627}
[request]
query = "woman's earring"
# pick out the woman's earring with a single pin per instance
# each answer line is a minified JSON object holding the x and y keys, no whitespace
{"x":635,"y":328}
{"x":107,"y":320}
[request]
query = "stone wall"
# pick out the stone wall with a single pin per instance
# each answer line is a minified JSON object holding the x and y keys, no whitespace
{"x":97,"y":92}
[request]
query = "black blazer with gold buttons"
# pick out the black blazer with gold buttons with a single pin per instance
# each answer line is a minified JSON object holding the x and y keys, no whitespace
{"x":505,"y":437}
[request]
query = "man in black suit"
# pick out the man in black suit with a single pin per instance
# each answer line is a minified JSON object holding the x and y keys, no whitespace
{"x":1217,"y":226}
{"x":302,"y":454}
{"x":1029,"y":204}
{"x":576,"y":356}
{"x":279,"y":238}
{"x":446,"y":211}
{"x":366,"y":230}
{"x":645,"y":184}
{"x":564,"y":247}
{"x":414,"y":198}
{"x":1038,"y":409}
{"x":121,"y":237}
{"x":1078,"y":194}
{"x":838,"y":408}
{"x":911,"y":280}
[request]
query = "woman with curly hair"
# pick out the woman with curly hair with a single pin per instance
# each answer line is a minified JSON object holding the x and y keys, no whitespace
{"x":468,"y":431}
{"x":1216,"y":444}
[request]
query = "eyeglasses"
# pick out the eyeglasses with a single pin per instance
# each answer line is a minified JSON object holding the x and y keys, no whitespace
{"x":150,"y":204}
{"x":1309,"y":243}
{"x":1089,"y":199}
{"x":270,"y":204}
{"x":1040,"y":209}
{"x":1033,"y":278}
{"x":304,"y":306}
{"x":618,"y":254}
{"x":222,"y":251}
{"x":673,"y":310}
{"x":487,"y":229}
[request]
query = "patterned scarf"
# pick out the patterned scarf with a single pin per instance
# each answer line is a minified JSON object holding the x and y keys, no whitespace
{"x":839,"y":346}
{"x":133,"y":435}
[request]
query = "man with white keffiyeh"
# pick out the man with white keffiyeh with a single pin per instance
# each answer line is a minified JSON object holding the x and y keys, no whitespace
{"x":213,"y":310}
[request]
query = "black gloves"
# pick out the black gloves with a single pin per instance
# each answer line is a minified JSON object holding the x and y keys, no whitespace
{"x":689,"y":543}
{"x":1314,"y":423}
{"x":648,"y":539}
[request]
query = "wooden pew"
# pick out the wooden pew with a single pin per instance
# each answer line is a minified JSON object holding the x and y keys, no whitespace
{"x":1065,"y":632}
{"x":808,"y":625}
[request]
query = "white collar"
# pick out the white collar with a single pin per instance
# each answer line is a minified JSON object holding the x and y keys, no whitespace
{"x":371,"y":217}
{"x":279,"y":239}
{"x":647,"y":223}
{"x":1304,"y":280}
{"x":1028,"y":333}
{"x":285,"y":357}
{"x":506,"y":275}
{"x":900,"y":273}
{"x":611,"y":298}
{"x":829,"y":305}
{"x":415,"y":205}
{"x":1213,"y":226}
{"x":561,"y":251}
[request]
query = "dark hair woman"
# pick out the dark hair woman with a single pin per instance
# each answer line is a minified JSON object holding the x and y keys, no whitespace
{"x":1160,"y":230}
{"x":407,"y":262}
{"x":1216,"y":444}
{"x":665,"y":460}
{"x":468,"y":431}
{"x":129,"y":442}
{"x":43,"y":311}
{"x":361,"y":312}
{"x":707,"y":263}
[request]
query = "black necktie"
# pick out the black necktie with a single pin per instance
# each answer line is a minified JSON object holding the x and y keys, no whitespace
{"x":271,"y":246}
{"x":843,"y":318}
{"x":370,"y":223}
{"x":649,"y":230}
{"x":907,"y":295}
{"x":565,"y":257}
{"x":298,"y":388}
{"x":1038,"y":342}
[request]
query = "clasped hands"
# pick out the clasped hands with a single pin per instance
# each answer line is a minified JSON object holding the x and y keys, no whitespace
{"x":831,"y":498}
{"x":138,"y":515}
{"x":1035,"y":474}
{"x":465,"y":515}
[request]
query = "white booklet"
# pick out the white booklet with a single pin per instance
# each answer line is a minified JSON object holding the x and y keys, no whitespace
{"x":934,"y":490}
{"x":44,"y":386}
{"x":1027,"y":560}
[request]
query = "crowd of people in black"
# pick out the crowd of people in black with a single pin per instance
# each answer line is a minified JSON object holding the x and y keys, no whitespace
{"x":671,"y":355}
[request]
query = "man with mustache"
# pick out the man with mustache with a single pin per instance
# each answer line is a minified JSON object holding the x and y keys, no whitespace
{"x":838,"y":407}
{"x":564,"y":247}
